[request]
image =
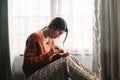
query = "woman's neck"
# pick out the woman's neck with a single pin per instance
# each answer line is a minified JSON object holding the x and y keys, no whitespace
{"x":45,"y":32}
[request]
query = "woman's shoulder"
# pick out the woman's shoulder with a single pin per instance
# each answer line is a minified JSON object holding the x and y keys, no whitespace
{"x":34,"y":35}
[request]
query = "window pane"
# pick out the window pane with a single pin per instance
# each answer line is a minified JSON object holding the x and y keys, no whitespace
{"x":79,"y":16}
{"x":30,"y":7}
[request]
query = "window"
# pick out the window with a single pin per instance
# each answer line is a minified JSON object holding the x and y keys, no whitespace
{"x":79,"y":17}
{"x":27,"y":16}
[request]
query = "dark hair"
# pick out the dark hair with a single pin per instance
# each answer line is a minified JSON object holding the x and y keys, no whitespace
{"x":59,"y":23}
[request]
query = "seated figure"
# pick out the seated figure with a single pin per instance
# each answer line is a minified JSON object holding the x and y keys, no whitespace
{"x":43,"y":60}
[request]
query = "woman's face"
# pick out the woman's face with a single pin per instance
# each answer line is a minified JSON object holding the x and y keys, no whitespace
{"x":56,"y":33}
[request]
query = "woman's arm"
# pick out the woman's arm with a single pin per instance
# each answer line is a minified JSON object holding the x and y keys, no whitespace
{"x":33,"y":56}
{"x":58,"y":53}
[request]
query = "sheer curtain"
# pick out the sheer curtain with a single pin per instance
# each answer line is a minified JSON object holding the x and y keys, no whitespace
{"x":106,"y":63}
{"x":27,"y":16}
{"x":79,"y":16}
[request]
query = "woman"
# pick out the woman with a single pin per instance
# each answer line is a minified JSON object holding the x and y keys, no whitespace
{"x":41,"y":51}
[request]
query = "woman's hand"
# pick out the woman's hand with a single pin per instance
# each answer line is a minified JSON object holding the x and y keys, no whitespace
{"x":65,"y":54}
{"x":54,"y":51}
{"x":57,"y":56}
{"x":51,"y":52}
{"x":62,"y":54}
{"x":59,"y":50}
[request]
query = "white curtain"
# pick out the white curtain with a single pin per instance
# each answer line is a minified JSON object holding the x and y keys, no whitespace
{"x":27,"y":16}
{"x":106,"y":60}
{"x":79,"y":17}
